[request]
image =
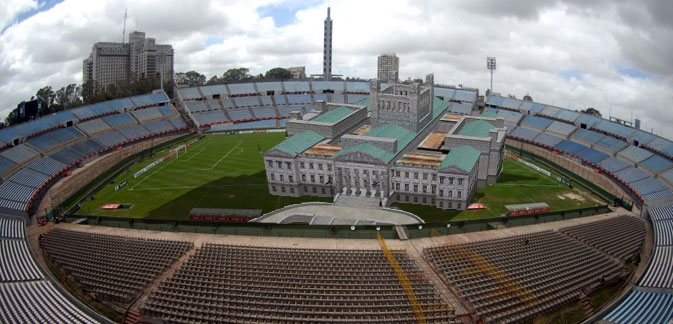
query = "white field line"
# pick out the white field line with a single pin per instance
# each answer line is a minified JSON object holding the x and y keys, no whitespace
{"x":169,"y":162}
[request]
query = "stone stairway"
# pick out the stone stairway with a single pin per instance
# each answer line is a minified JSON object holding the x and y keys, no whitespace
{"x":357,"y":201}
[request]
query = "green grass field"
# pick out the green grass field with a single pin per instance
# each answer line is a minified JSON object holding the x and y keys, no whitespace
{"x":220,"y":171}
{"x":227,"y":171}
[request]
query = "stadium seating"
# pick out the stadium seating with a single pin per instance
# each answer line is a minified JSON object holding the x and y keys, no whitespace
{"x":592,"y":155}
{"x":66,"y":155}
{"x":511,"y":116}
{"x":320,"y":86}
{"x":86,"y":147}
{"x":460,"y":108}
{"x":265,"y":112}
{"x":149,"y":99}
{"x":571,"y":147}
{"x":210,"y":118}
{"x":516,"y":278}
{"x":280,"y":99}
{"x":587,"y":120}
{"x":525,"y":133}
{"x":560,"y":128}
{"x":110,"y":139}
{"x":659,"y":274}
{"x":265,"y":87}
{"x":642,"y":137}
{"x":587,"y":136}
{"x":550,"y":111}
{"x":29,"y":178}
{"x":465,"y":96}
{"x":663,"y":232}
{"x":244,"y":102}
{"x":178,"y":122}
{"x":298,"y":99}
{"x":647,"y":186}
{"x":266,"y":101}
{"x":258,"y":124}
{"x":613,"y":165}
{"x":643,"y":307}
{"x":614,"y":128}
{"x":116,"y":267}
{"x":357,"y":87}
{"x":121,"y":104}
{"x":16,"y":262}
{"x":55,"y":138}
{"x":159,"y":126}
{"x":536,"y":121}
{"x":47,"y":166}
{"x":146,"y":114}
{"x":296,"y":87}
{"x":189,"y":93}
{"x":119,"y":120}
{"x":355,"y":98}
{"x":250,"y":284}
{"x":656,"y":163}
{"x":511,"y":103}
{"x":631,"y":174}
{"x":11,"y":227}
{"x":196,"y":106}
{"x":93,"y":126}
{"x":620,"y":237}
{"x":661,"y":213}
{"x":567,"y":115}
{"x":134,"y":132}
{"x":548,"y":139}
{"x":611,"y":144}
{"x":446,"y":93}
{"x":241,"y":89}
{"x":19,"y":154}
{"x":239,"y":114}
{"x":634,"y":154}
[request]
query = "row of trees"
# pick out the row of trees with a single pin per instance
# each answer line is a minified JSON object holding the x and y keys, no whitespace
{"x":195,"y":79}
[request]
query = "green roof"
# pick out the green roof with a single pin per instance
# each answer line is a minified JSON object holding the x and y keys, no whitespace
{"x":464,"y":157}
{"x":394,"y":131}
{"x":363,"y":102}
{"x":369,"y":149}
{"x":333,"y":115}
{"x":489,"y":114}
{"x":477,"y":128}
{"x":299,"y":142}
{"x":438,"y":107}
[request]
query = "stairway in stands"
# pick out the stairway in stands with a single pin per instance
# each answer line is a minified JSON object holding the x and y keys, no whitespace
{"x":357,"y":201}
{"x":132,"y":317}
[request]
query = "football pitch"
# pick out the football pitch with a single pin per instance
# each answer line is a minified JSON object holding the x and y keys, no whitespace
{"x":219,"y":171}
{"x":227,"y":171}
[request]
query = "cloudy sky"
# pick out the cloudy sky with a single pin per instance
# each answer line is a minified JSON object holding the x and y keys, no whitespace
{"x":614,"y":55}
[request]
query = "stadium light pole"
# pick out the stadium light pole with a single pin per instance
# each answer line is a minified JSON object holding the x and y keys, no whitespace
{"x":490,"y":64}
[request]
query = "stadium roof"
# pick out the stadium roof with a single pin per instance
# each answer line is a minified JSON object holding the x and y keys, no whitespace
{"x":463,"y":157}
{"x":369,"y":149}
{"x":333,"y":115}
{"x":299,"y":142}
{"x":477,"y":128}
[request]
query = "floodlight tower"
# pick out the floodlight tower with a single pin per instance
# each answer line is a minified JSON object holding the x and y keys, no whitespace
{"x":490,"y":64}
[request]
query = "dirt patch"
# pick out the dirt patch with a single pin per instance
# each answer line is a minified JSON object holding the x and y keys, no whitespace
{"x":230,"y":196}
{"x":571,"y":196}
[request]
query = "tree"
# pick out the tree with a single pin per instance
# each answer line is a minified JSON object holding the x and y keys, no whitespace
{"x":592,"y":111}
{"x":68,"y":97}
{"x":190,"y":78}
{"x":278,"y":74}
{"x":46,"y":96}
{"x":235,"y":75}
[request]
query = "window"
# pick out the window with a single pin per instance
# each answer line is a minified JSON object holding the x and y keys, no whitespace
{"x":329,"y":167}
{"x":273,"y":188}
{"x":441,"y":179}
{"x":397,"y":173}
{"x":270,"y":163}
{"x":291,"y":189}
{"x":425,"y":200}
{"x":434,"y":177}
{"x":289,"y":178}
{"x":288,"y":165}
{"x":415,"y":199}
{"x":273,"y":177}
{"x":305,"y":189}
{"x":303,"y":178}
{"x":450,"y":204}
{"x":441,"y":193}
{"x":282,"y":178}
{"x":319,"y":166}
{"x":425,"y":188}
{"x":406,"y":198}
{"x":313,"y":178}
{"x":441,"y":204}
{"x":310,"y":166}
{"x":279,"y":164}
{"x":458,"y":206}
{"x":314,"y":191}
{"x":451,"y":180}
{"x":460,"y":181}
{"x":323,"y":190}
{"x":397,"y":186}
{"x":425,"y":176}
{"x":415,"y":188}
{"x":406,"y":187}
{"x":302,"y":165}
{"x":459,"y":193}
{"x":450,"y":194}
{"x":322,"y":179}
{"x":406,"y":175}
{"x":415,"y":175}
{"x":282,"y":189}
{"x":434,"y":188}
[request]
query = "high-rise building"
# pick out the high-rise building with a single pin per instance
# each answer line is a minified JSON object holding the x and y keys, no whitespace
{"x":110,"y":63}
{"x":387,"y":63}
{"x":298,"y":72}
{"x":327,"y":49}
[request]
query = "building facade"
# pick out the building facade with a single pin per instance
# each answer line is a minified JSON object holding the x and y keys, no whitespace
{"x":338,"y":151}
{"x":298,"y":72}
{"x":386,"y":63}
{"x":110,"y":63}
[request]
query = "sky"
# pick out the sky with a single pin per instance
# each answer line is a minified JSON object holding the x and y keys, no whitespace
{"x":614,"y":55}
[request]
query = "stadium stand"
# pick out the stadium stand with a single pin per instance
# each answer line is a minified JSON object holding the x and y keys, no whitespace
{"x":258,"y":124}
{"x":243,"y":102}
{"x":265,"y":112}
{"x":587,"y":120}
{"x":355,"y":98}
{"x":110,"y":139}
{"x":587,"y":136}
{"x":29,"y":178}
{"x":663,"y":232}
{"x":241,"y":89}
{"x":280,"y":99}
{"x":6,"y":165}
{"x":659,"y":274}
{"x":548,"y":139}
{"x":147,"y":99}
{"x":515,"y":279}
{"x":208,"y":118}
{"x":247,"y":284}
{"x":525,"y":133}
{"x":47,"y":166}
{"x":592,"y":155}
{"x":613,"y":165}
{"x":658,"y":195}
{"x":159,"y":126}
{"x":567,"y":115}
{"x":320,"y":86}
{"x":560,"y":128}
{"x":614,"y":128}
{"x":119,"y":120}
{"x":146,"y":114}
{"x":465,"y":95}
{"x":93,"y":126}
{"x":266,"y":101}
{"x":121,"y":104}
{"x":16,"y":262}
{"x":19,"y":154}
{"x":296,"y":87}
{"x":661,"y":213}
{"x":265,"y":87}
{"x":298,"y":99}
{"x":536,"y":121}
{"x":66,"y":155}
{"x":510,"y":116}
{"x":611,"y":144}
{"x":656,"y":163}
{"x":510,"y":128}
{"x":647,"y":186}
{"x":445,"y":93}
{"x":218,"y":89}
{"x":357,"y":87}
{"x":87,"y":147}
{"x":631,"y":174}
{"x":549,"y":111}
{"x":460,"y":108}
{"x":239,"y":114}
{"x":48,"y":141}
{"x":178,"y":122}
{"x":134,"y":132}
{"x":571,"y":147}
{"x":113,"y":266}
{"x":16,"y":192}
{"x":643,"y":307}
{"x":511,"y":103}
{"x":642,"y":137}
{"x":621,"y":237}
{"x":659,"y":144}
{"x":189,"y":93}
{"x":11,"y":227}
{"x":634,"y":154}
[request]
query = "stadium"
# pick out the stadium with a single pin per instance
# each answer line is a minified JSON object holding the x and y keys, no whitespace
{"x":334,"y":201}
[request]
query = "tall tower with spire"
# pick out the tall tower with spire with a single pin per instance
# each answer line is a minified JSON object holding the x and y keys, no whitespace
{"x":327,"y":49}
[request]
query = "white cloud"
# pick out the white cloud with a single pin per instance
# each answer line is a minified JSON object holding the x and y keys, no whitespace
{"x":11,"y":9}
{"x":534,"y":42}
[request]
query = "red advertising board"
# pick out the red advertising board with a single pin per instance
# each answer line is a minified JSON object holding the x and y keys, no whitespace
{"x":219,"y":218}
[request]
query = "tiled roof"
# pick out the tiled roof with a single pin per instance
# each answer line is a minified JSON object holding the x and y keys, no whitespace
{"x":477,"y":128}
{"x":299,"y":142}
{"x":333,"y":115}
{"x":464,"y":157}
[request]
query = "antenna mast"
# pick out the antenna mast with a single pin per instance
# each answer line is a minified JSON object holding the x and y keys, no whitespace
{"x":124,"y":31}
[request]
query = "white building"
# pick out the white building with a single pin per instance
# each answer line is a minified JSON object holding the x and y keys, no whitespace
{"x":386,"y":63}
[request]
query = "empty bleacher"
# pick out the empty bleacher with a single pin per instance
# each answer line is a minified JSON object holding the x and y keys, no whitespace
{"x":217,"y":89}
{"x":296,"y":87}
{"x":592,"y":155}
{"x":248,"y":284}
{"x":239,"y":114}
{"x":658,"y":273}
{"x":119,"y":120}
{"x":643,"y":307}
{"x":571,"y":147}
{"x":613,"y":165}
{"x":661,"y":213}
{"x":525,"y":133}
{"x":159,"y":126}
{"x":560,"y":128}
{"x":116,"y":267}
{"x":146,"y":114}
{"x":587,"y":136}
{"x":241,"y":89}
{"x":210,"y":117}
{"x":465,"y":95}
{"x":299,"y":99}
{"x":634,"y":154}
{"x":610,"y":144}
{"x":656,"y":163}
{"x":244,"y":102}
{"x":16,"y":263}
{"x":548,"y":139}
{"x":110,"y":139}
{"x":265,"y":87}
{"x":663,"y":231}
{"x":189,"y":93}
{"x":511,"y":116}
{"x":631,"y":174}
{"x":515,"y":279}
{"x":567,"y":115}
{"x":134,"y":132}
{"x":19,"y":154}
{"x":614,"y":128}
{"x":11,"y":227}
{"x":536,"y":121}
{"x":620,"y":237}
{"x":47,"y":166}
{"x":93,"y":126}
{"x":265,"y":112}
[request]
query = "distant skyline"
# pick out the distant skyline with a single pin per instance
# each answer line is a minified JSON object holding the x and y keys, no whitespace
{"x":612,"y":55}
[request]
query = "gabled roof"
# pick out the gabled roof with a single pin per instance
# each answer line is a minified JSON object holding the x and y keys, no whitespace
{"x":463,"y":157}
{"x":299,"y":142}
{"x":369,"y":149}
{"x":477,"y":128}
{"x":333,"y":115}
